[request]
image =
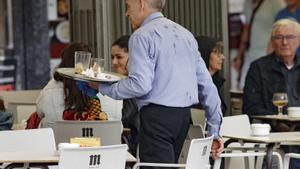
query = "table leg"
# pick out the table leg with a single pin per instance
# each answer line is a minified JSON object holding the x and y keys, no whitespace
{"x":269,"y":155}
{"x":293,"y":127}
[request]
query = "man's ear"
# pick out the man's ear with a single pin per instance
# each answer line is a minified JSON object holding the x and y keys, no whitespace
{"x":143,"y":3}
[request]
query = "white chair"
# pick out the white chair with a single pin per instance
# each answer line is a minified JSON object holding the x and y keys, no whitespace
{"x":198,"y":156}
{"x":196,"y":130}
{"x":21,"y":104}
{"x":109,"y":131}
{"x":240,"y":125}
{"x":287,"y":158}
{"x":27,"y":140}
{"x":20,"y":96}
{"x":105,"y":157}
{"x":39,"y":140}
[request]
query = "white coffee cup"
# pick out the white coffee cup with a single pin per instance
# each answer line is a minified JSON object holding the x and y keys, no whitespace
{"x":62,"y":146}
{"x":294,"y":111}
{"x":260,"y":129}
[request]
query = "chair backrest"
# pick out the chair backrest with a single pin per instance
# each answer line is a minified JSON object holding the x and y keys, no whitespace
{"x":20,"y":96}
{"x":109,"y":131}
{"x":24,"y":140}
{"x":21,"y":111}
{"x":198,"y":117}
{"x":105,"y":157}
{"x":199,"y":151}
{"x":238,"y":124}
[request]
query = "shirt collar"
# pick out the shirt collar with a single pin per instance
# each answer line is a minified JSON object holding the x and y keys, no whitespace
{"x":152,"y":16}
{"x":297,"y":60}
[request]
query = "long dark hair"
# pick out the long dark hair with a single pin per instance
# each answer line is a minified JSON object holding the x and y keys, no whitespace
{"x":74,"y":98}
{"x":205,"y":46}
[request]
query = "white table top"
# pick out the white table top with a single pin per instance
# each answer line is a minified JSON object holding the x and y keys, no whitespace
{"x":273,"y":137}
{"x":39,"y":157}
{"x":278,"y":117}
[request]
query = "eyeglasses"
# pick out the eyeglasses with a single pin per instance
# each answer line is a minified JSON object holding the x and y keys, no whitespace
{"x":281,"y":37}
{"x":219,"y":48}
{"x":218,"y":53}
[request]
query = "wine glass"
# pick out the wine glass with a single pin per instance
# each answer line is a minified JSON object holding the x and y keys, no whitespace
{"x":280,"y":100}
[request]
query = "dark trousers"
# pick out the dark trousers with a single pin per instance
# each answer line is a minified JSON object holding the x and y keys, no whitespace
{"x":162,"y":133}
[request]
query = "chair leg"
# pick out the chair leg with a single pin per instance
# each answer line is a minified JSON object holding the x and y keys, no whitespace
{"x":286,"y":162}
{"x":217,"y":163}
{"x":259,"y":162}
{"x":247,"y":162}
{"x":226,"y":163}
{"x":279,"y":159}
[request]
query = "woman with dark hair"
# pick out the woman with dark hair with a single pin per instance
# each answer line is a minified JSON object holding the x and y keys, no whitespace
{"x":119,"y":55}
{"x":130,"y":113}
{"x":212,"y":52}
{"x":62,"y":98}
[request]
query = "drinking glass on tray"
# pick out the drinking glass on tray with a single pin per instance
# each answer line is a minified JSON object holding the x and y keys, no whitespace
{"x":82,"y":61}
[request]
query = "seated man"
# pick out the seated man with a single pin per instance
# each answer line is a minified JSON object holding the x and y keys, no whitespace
{"x":278,"y":72}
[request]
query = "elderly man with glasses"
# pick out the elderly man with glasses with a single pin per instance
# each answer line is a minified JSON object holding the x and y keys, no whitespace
{"x":278,"y":72}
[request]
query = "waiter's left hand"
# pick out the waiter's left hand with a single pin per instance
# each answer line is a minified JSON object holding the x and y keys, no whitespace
{"x":217,"y":148}
{"x":94,"y":85}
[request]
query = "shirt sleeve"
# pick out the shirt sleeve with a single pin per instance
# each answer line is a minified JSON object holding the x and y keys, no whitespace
{"x":209,"y":98}
{"x":140,"y":72}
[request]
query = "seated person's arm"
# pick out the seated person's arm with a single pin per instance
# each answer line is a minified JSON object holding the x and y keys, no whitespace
{"x":86,"y":89}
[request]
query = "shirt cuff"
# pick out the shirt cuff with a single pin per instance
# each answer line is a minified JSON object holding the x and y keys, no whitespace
{"x":215,"y":132}
{"x":104,"y":88}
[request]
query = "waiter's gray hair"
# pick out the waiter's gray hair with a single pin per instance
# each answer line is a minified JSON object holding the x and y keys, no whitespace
{"x":157,"y":4}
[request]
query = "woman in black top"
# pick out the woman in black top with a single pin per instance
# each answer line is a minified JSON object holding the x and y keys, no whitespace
{"x":212,"y":52}
{"x":130,"y":113}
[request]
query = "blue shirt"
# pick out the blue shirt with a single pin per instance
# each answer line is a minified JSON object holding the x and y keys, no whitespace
{"x":164,"y":68}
